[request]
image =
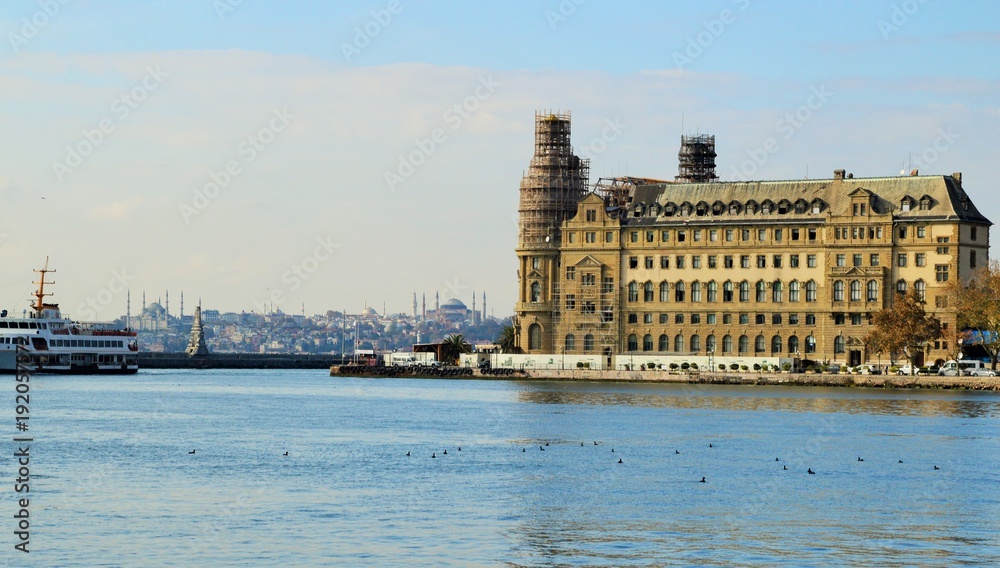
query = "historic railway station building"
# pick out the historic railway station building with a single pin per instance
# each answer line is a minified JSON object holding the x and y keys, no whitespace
{"x":696,"y":266}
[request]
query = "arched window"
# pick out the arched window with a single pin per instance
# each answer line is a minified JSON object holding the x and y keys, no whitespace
{"x":664,"y":291}
{"x":713,"y":291}
{"x":647,"y":295}
{"x":761,"y":291}
{"x":855,"y":290}
{"x":759,"y":344}
{"x":679,"y":292}
{"x":536,"y":292}
{"x":647,"y":342}
{"x":727,"y":343}
{"x":710,"y":344}
{"x":588,"y":342}
{"x":570,"y":343}
{"x":872,"y":290}
{"x":679,"y":342}
{"x":777,"y":292}
{"x":534,"y":336}
{"x":633,"y":292}
{"x":744,"y":344}
{"x":901,"y":287}
{"x":793,"y":291}
{"x":793,"y":344}
{"x":633,"y":343}
{"x":810,"y":344}
{"x":727,"y":291}
{"x":838,"y":344}
{"x":664,"y":343}
{"x":696,"y":291}
{"x":920,"y":287}
{"x":776,"y":344}
{"x":811,"y":291}
{"x":695,"y":343}
{"x":838,"y":291}
{"x":744,"y":291}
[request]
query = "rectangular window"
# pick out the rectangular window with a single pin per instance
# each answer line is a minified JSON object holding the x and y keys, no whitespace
{"x":793,"y":260}
{"x":776,"y":261}
{"x":745,"y":235}
{"x":841,"y":260}
{"x":591,"y":215}
{"x":681,"y":236}
{"x":696,"y":235}
{"x":663,"y":319}
{"x":536,"y":263}
{"x":902,"y":233}
{"x":609,"y":237}
{"x":940,"y":301}
{"x":727,"y":261}
{"x":745,"y":261}
{"x":901,"y":259}
{"x":857,"y":259}
{"x":920,"y":259}
{"x":608,"y":285}
{"x":712,"y":261}
{"x":761,"y":235}
{"x":633,"y":318}
{"x":729,"y":235}
{"x":775,"y":319}
{"x":943,"y":250}
{"x":941,"y":272}
{"x":695,"y":262}
{"x":777,"y":235}
{"x":793,"y":319}
{"x":591,"y":237}
{"x":633,"y":236}
{"x":873,"y":260}
{"x":570,"y":302}
{"x":570,"y":273}
{"x":713,"y":235}
{"x":759,"y":319}
{"x":647,"y":318}
{"x":921,"y":232}
{"x":727,"y":319}
{"x":696,"y":318}
{"x":795,"y":234}
{"x":679,"y":262}
{"x":650,"y":235}
{"x":761,"y":261}
{"x":810,"y":319}
{"x":679,"y":318}
{"x":973,"y":232}
{"x":648,"y":262}
{"x":633,"y":262}
{"x":855,"y":319}
{"x":744,"y":319}
{"x":811,"y":260}
{"x":587,"y":308}
{"x":812,"y":234}
{"x":710,"y":319}
{"x":571,"y":237}
{"x":972,"y":259}
{"x":838,"y":319}
{"x":854,"y":233}
{"x":878,"y":232}
{"x":589,"y":279}
{"x":664,"y":262}
{"x":665,"y":236}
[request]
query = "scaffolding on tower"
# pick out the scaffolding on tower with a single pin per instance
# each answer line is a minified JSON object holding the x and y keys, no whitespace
{"x":696,"y":159}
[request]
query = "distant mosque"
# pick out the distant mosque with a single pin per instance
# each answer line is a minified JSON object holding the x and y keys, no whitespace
{"x":452,"y":312}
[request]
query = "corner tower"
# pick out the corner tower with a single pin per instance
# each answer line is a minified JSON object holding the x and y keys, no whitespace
{"x":555,"y":183}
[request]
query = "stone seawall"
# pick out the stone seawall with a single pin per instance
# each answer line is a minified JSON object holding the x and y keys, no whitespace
{"x":773,"y":379}
{"x":234,"y":361}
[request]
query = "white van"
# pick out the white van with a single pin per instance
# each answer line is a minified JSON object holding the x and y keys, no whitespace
{"x":964,"y":367}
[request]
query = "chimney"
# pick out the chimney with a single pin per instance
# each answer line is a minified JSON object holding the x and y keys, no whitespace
{"x":914,"y":172}
{"x":957,"y":176}
{"x":838,"y":174}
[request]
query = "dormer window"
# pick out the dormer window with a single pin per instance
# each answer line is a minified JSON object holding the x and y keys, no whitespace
{"x":925,"y":203}
{"x":906,"y":204}
{"x":817,"y":207}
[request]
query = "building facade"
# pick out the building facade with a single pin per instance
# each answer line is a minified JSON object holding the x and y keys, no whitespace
{"x":761,"y":269}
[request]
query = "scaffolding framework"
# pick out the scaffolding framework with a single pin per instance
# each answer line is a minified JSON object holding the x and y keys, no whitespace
{"x":555,"y":182}
{"x":696,"y":159}
{"x":618,"y":191}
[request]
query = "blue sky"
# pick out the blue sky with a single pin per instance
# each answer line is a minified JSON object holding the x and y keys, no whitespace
{"x":899,"y":77}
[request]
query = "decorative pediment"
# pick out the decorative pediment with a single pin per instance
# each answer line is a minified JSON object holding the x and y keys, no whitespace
{"x":535,"y":273}
{"x":861,"y":192}
{"x":854,"y":341}
{"x":855,"y":271}
{"x":588,"y":261}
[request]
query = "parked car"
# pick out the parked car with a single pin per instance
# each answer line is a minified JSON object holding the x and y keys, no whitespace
{"x":906,"y":370}
{"x":982,"y":372}
{"x":867,"y":370}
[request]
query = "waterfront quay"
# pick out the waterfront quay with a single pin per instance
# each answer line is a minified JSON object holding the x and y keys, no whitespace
{"x":658,"y":376}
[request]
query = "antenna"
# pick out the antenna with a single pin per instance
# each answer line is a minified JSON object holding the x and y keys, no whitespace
{"x":41,"y":286}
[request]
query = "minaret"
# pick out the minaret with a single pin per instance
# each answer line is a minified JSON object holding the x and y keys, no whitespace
{"x":128,"y":309}
{"x":166,"y":311}
{"x":423,"y":308}
{"x":414,"y":305}
{"x":196,"y":345}
{"x":437,"y":303}
{"x":182,"y":305}
{"x":550,"y":191}
{"x":475,"y":314}
{"x":143,"y":300}
{"x":484,"y":306}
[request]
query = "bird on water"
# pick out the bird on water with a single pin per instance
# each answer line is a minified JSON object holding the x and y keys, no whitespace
{"x":446,"y":452}
{"x":595,"y":442}
{"x":619,"y":460}
{"x":285,"y":454}
{"x":702,"y":480}
{"x":710,"y":445}
{"x":676,"y":452}
{"x":433,"y":455}
{"x":541,"y":448}
{"x":407,"y":454}
{"x":784,"y":468}
{"x":191,"y":452}
{"x":900,"y":461}
{"x":859,"y":459}
{"x":776,"y":459}
{"x":936,"y":467}
{"x":810,"y":471}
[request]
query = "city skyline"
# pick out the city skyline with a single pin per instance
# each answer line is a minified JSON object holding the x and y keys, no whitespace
{"x":316,"y":154}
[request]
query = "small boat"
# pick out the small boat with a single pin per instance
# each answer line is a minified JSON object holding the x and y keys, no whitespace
{"x":46,"y":342}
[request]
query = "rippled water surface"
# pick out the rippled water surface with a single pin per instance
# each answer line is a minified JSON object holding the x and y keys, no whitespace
{"x":113,"y":483}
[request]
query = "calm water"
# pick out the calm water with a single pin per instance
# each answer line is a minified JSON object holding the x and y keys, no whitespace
{"x":114,"y":485}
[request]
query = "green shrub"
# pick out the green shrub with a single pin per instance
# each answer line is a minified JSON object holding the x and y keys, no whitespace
{"x":722,"y":367}
{"x":736,"y":367}
{"x":694,"y":366}
{"x":786,"y":367}
{"x":744,"y":368}
{"x":579,"y":364}
{"x":673,"y":366}
{"x":756,"y":366}
{"x":685,"y":366}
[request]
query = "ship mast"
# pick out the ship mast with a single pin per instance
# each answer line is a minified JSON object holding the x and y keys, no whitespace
{"x":40,"y":294}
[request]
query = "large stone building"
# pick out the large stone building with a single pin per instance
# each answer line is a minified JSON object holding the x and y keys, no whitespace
{"x":773,"y":268}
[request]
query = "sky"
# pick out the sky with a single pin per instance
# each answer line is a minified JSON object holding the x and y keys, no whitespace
{"x":309,"y":156}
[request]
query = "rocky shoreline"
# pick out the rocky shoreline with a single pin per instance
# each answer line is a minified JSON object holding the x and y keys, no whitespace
{"x":740,"y":378}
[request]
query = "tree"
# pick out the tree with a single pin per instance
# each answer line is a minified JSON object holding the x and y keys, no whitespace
{"x":978,"y":305}
{"x":905,"y":327}
{"x":454,"y":345}
{"x":507,"y":339}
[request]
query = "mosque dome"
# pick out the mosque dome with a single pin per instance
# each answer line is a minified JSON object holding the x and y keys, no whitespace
{"x":453,"y":304}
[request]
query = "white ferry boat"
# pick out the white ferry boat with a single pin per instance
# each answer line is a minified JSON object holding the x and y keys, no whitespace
{"x":46,"y":342}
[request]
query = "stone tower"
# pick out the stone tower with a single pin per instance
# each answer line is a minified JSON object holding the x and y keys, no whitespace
{"x":555,"y":182}
{"x":196,"y":345}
